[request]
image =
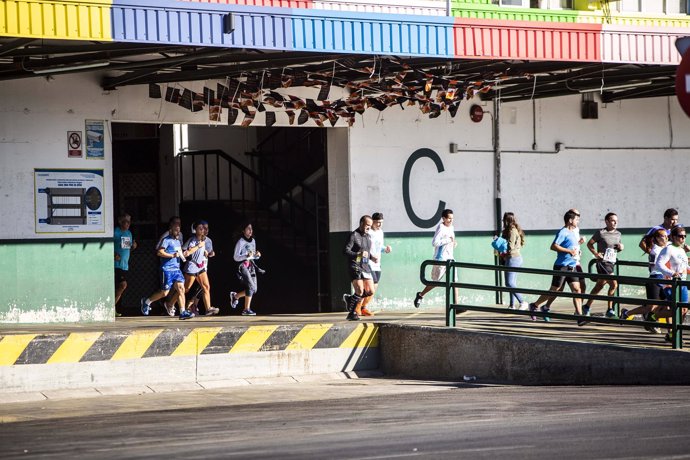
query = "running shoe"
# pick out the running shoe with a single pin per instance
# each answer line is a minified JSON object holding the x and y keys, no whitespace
{"x":585,"y":310}
{"x":524,"y":306}
{"x":545,"y":309}
{"x":210,"y":311}
{"x":418,"y":300}
{"x":581,"y":322}
{"x":248,"y":313}
{"x":169,"y":308}
{"x":185,"y":314}
{"x":624,"y":313}
{"x":352,"y":316}
{"x":532,"y":307}
{"x":145,"y":308}
{"x":233,"y":299}
{"x":366,"y":312}
{"x":610,"y":313}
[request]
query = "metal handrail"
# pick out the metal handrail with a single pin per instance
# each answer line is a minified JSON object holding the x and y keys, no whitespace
{"x":452,"y":308}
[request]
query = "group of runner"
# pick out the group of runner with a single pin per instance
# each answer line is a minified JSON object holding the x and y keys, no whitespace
{"x":184,"y":268}
{"x":665,"y":245}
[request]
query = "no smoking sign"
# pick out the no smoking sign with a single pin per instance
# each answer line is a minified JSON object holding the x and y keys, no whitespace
{"x":74,"y":149}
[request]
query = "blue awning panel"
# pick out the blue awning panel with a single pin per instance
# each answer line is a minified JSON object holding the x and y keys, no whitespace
{"x":201,"y":24}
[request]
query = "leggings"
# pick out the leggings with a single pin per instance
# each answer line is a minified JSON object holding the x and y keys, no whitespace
{"x":248,"y":277}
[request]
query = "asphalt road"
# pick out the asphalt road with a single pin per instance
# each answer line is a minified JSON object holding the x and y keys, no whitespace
{"x":358,"y":419}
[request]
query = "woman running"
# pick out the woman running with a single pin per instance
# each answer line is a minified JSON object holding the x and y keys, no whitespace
{"x":197,"y":266}
{"x":246,"y":254}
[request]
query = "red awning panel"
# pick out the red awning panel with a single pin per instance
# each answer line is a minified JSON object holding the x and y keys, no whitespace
{"x":527,"y":40}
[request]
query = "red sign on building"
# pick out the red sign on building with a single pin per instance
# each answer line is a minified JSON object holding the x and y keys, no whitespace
{"x":683,"y":82}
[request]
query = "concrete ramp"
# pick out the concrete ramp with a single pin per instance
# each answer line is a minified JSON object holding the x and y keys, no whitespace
{"x":440,"y":353}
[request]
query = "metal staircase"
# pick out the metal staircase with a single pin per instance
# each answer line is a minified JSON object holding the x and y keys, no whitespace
{"x":295,"y":220}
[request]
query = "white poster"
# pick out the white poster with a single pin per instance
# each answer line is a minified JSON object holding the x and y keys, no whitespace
{"x":95,"y":146}
{"x":69,"y":201}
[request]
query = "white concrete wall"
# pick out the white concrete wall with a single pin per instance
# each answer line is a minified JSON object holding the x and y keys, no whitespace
{"x":632,"y":160}
{"x":35,"y":116}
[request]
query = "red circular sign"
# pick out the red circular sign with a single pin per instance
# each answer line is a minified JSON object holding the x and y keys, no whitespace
{"x":476,"y":113}
{"x":683,"y":83}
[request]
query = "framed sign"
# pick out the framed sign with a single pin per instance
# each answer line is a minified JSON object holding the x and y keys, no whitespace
{"x":95,"y":143}
{"x":69,"y":201}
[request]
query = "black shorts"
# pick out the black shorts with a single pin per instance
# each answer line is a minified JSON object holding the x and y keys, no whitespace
{"x":654,"y":290}
{"x":120,"y":276}
{"x":558,"y":281}
{"x":376,"y":275}
{"x":604,"y":268}
{"x":356,"y":273}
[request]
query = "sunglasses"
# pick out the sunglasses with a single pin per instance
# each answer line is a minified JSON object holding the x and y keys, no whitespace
{"x":680,"y":236}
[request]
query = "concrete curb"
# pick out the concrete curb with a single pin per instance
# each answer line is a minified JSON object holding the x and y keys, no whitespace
{"x":124,"y":390}
{"x":171,"y":357}
{"x":436,"y":353}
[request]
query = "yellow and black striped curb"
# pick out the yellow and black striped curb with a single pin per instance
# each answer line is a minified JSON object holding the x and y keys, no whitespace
{"x":78,"y":347}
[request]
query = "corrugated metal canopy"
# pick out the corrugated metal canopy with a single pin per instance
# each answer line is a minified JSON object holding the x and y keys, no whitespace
{"x":123,"y":64}
{"x":164,"y":41}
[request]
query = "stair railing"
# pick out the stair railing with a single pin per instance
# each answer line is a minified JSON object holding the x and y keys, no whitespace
{"x":197,"y":182}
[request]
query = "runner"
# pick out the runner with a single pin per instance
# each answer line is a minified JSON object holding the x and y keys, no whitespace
{"x":196,"y":269}
{"x":124,"y":243}
{"x":378,"y":247}
{"x":444,"y":243}
{"x":246,"y":254}
{"x":358,"y":249}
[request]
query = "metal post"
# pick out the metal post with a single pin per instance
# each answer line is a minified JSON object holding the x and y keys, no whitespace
{"x":616,"y":305}
{"x":676,"y":339}
{"x":450,"y":311}
{"x":318,"y":258}
{"x":497,"y":188}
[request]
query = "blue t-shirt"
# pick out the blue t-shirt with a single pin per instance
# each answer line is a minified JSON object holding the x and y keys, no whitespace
{"x":567,"y":239}
{"x":123,"y":245}
{"x":171,"y":246}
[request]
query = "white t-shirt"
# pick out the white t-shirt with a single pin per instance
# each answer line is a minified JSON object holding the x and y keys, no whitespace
{"x":677,"y":259}
{"x":443,"y":242}
{"x":377,"y":247}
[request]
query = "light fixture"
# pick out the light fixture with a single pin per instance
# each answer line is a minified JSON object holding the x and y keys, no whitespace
{"x":67,"y":68}
{"x":453,"y":148}
{"x":614,"y":87}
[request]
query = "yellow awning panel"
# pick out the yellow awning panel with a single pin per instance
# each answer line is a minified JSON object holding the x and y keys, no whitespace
{"x":72,"y":20}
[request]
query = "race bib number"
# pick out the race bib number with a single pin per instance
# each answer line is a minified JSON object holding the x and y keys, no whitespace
{"x":610,"y":255}
{"x":126,"y":242}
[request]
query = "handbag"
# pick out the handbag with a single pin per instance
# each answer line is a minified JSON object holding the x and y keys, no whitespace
{"x":500,"y":244}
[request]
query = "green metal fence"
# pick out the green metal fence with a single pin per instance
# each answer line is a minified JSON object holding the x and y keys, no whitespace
{"x":451,"y":286}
